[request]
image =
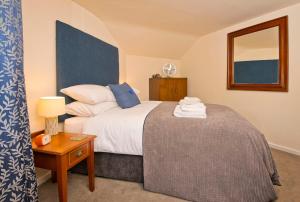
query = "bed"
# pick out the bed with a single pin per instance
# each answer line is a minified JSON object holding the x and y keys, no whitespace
{"x":118,"y":150}
{"x":221,"y":158}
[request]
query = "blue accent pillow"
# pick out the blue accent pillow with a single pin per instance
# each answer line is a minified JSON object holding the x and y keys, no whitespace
{"x":125,"y":95}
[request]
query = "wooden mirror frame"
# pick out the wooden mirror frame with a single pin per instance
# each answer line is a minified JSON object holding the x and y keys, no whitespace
{"x":282,"y":23}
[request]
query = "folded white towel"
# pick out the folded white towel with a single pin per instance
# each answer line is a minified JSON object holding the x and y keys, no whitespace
{"x":193,"y":114}
{"x":188,"y":102}
{"x":198,"y":107}
{"x":192,"y":99}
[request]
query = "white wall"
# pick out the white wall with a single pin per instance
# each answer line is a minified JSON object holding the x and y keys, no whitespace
{"x":139,"y":69}
{"x":276,"y":114}
{"x":39,"y":46}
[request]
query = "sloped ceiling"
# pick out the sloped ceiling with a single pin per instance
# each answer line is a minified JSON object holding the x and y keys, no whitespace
{"x":168,"y":28}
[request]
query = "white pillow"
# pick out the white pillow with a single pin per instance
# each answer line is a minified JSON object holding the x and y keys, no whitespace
{"x":89,"y":94}
{"x":87,"y":110}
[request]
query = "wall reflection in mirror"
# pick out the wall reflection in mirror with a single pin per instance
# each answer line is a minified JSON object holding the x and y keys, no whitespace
{"x":256,"y":57}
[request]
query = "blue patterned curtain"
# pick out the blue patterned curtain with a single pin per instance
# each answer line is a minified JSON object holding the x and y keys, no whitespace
{"x":17,"y":173}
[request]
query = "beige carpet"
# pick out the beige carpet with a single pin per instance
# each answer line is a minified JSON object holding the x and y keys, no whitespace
{"x":114,"y":190}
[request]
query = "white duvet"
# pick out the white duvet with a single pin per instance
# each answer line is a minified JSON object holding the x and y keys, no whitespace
{"x":120,"y":130}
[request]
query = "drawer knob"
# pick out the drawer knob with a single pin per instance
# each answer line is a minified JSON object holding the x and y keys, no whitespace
{"x":79,"y":153}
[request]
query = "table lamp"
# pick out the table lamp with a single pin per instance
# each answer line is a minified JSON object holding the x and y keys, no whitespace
{"x":51,"y":108}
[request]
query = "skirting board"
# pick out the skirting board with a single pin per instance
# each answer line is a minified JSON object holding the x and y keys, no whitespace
{"x":44,"y":177}
{"x":285,"y":149}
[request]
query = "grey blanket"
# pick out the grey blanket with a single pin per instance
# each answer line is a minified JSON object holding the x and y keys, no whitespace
{"x":219,"y":159}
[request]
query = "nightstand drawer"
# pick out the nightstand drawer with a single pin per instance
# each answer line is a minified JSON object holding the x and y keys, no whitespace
{"x":78,"y":154}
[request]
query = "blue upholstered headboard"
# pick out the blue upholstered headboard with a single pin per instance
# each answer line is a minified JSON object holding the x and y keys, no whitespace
{"x":83,"y":59}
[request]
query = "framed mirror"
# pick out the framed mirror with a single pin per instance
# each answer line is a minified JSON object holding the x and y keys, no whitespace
{"x":258,"y":57}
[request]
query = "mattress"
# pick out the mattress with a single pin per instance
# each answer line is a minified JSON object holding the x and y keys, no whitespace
{"x":75,"y":124}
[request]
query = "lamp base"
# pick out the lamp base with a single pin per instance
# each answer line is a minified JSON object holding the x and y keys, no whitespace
{"x":51,"y":126}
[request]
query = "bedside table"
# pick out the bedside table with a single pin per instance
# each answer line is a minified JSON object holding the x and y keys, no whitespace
{"x":62,"y":154}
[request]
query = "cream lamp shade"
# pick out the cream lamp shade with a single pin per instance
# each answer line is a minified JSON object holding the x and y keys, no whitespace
{"x":51,"y":108}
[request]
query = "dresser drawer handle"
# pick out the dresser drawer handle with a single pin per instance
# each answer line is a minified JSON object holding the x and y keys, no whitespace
{"x":79,"y":153}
